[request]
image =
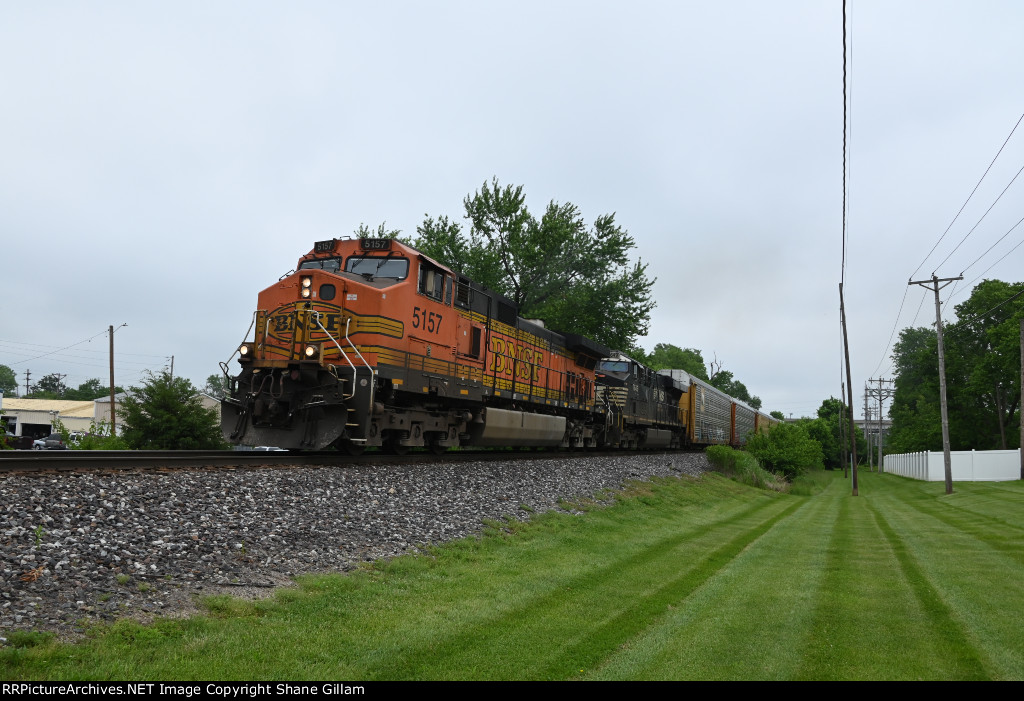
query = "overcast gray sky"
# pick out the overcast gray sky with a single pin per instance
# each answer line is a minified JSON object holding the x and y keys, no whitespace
{"x":160,"y":163}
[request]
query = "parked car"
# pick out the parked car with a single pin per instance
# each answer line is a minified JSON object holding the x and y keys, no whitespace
{"x":52,"y":442}
{"x":17,"y":442}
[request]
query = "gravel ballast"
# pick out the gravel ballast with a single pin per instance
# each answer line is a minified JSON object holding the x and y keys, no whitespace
{"x":85,"y":548}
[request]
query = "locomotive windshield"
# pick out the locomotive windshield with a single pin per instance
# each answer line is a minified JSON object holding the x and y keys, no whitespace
{"x":613,"y":366}
{"x":378,"y":266}
{"x":331,"y":265}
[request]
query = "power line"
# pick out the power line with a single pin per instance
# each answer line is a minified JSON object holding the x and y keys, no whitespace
{"x":892,"y":334}
{"x":60,"y":349}
{"x":959,"y":212}
{"x":81,"y":350}
{"x":998,"y":261}
{"x":980,"y":220}
{"x":996,"y":244}
{"x":968,"y":197}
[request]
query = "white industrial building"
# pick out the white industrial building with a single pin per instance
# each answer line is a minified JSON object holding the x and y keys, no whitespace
{"x":37,"y":417}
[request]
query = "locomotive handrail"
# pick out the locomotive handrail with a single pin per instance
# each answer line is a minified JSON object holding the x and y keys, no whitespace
{"x":356,"y":349}
{"x":344,"y":355}
{"x":373,"y":376}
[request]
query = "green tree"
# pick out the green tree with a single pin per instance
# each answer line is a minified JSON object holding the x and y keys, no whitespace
{"x":49,"y":387}
{"x":724,"y":380}
{"x":90,"y":389}
{"x":987,"y":340}
{"x":217,"y":386}
{"x":577,"y":278}
{"x":916,"y":423}
{"x":830,"y":430}
{"x":166,"y":413}
{"x":666,"y":356}
{"x":778,"y":415}
{"x":381,"y":232}
{"x":8,"y":381}
{"x":982,"y":353}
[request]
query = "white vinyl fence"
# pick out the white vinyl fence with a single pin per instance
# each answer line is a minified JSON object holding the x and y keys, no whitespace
{"x":967,"y":465}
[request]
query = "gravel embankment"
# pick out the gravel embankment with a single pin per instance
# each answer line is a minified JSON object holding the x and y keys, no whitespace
{"x":76,"y":549}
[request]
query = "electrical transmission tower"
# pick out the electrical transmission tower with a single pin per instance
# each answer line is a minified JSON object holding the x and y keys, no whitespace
{"x":886,"y":389}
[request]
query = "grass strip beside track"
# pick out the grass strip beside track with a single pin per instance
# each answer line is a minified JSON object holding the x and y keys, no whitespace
{"x":680,"y":579}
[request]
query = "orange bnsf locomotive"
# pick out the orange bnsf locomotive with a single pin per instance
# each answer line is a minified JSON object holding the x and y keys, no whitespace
{"x":372,"y":343}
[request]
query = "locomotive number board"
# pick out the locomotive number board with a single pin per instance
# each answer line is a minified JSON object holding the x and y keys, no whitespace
{"x":375,"y":244}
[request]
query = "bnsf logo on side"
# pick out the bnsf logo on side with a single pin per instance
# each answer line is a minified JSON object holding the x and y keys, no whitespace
{"x":507,"y":352}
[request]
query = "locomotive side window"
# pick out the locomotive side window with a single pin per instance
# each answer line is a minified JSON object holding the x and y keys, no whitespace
{"x":463,"y":292}
{"x":431,"y":281}
{"x":378,"y":266}
{"x":331,"y":265}
{"x":613,"y":366}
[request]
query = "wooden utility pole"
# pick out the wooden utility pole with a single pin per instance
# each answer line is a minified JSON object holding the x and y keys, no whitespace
{"x":881,"y":399}
{"x":113,"y":419}
{"x":849,"y":388}
{"x":934,"y":285}
{"x":113,"y":414}
{"x":842,"y":432}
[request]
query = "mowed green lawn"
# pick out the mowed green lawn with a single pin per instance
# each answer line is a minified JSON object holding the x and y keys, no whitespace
{"x":681,"y":579}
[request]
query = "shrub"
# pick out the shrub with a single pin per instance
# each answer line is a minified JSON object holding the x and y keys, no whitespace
{"x":786,"y":449}
{"x":165,"y":413}
{"x":743,"y":467}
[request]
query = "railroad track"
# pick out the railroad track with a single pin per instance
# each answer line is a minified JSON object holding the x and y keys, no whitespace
{"x":49,"y":461}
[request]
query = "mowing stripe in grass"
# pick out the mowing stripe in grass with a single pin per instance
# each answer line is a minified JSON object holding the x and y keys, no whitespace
{"x":819,"y":654}
{"x":1016,"y":488}
{"x":603,"y":640}
{"x":960,"y":651}
{"x":868,"y":623}
{"x":745,"y":622}
{"x":996,"y":532}
{"x":981,"y":582}
{"x":626,"y":592}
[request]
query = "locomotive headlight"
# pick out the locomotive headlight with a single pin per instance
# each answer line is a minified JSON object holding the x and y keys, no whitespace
{"x":305,"y":292}
{"x":307,"y":287}
{"x":307,"y":282}
{"x":312,"y":352}
{"x":245,"y":352}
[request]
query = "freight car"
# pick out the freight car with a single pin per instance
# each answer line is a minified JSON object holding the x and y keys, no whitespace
{"x":371,"y":343}
{"x":712,"y":417}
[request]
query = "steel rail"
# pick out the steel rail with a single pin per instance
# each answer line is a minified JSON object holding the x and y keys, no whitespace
{"x":50,"y":461}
